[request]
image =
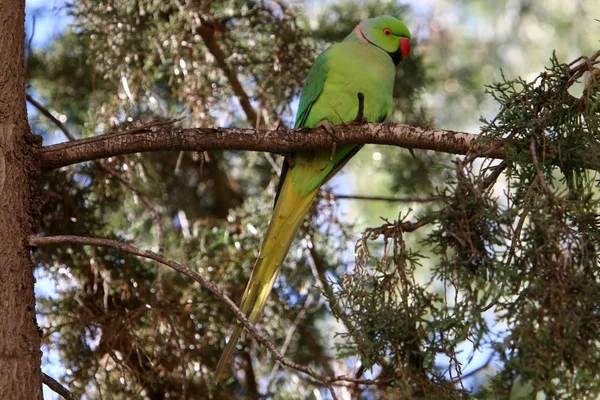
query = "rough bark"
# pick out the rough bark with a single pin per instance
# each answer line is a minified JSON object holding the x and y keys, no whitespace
{"x":283,"y":141}
{"x":20,"y":355}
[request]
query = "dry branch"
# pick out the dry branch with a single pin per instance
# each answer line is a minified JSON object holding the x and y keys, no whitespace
{"x":328,"y":381}
{"x":282,"y":141}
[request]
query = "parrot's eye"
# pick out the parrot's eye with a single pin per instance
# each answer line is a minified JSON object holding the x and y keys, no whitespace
{"x":387,"y":32}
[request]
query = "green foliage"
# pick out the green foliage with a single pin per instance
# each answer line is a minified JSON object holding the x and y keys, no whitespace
{"x":196,"y":54}
{"x":543,"y":117}
{"x":553,"y":267}
{"x":529,"y":256}
{"x":506,"y":259}
{"x":395,"y":319}
{"x":544,"y":244}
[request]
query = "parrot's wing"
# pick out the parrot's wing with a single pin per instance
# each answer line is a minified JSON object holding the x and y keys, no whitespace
{"x":310,"y":93}
{"x":313,"y":87}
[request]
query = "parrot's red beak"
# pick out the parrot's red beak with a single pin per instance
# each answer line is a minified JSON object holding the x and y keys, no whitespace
{"x":404,"y":47}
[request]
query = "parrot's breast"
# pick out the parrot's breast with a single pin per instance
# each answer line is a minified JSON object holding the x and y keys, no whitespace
{"x":354,"y":67}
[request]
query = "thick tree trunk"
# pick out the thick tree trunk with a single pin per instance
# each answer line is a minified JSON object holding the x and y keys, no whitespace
{"x":20,"y":355}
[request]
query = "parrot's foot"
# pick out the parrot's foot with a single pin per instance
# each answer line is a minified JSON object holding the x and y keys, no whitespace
{"x":360,"y":121}
{"x":360,"y":118}
{"x":328,"y":126}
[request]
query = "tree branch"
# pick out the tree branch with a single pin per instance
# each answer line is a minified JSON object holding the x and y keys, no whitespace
{"x":207,"y":32}
{"x":56,"y":387}
{"x":289,"y":336}
{"x":167,"y":138}
{"x":51,"y":117}
{"x":391,"y":199}
{"x":476,"y":370}
{"x":328,"y":381}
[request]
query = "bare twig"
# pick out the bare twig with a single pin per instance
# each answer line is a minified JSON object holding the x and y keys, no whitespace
{"x":289,"y":336}
{"x":390,"y":230}
{"x":31,"y":36}
{"x":51,"y":117}
{"x":387,"y":198}
{"x":177,"y":170}
{"x":476,"y":370}
{"x":271,"y":161}
{"x":57,"y":387}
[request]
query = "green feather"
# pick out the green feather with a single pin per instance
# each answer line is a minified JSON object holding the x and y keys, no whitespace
{"x":331,"y":93}
{"x":359,"y":64}
{"x":312,"y":88}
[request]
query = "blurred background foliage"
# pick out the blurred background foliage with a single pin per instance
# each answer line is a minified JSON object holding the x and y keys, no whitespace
{"x":494,"y":297}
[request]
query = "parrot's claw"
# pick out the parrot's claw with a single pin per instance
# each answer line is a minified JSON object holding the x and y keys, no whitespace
{"x":331,"y":131}
{"x":360,"y":118}
{"x":289,"y":159}
{"x":360,"y":121}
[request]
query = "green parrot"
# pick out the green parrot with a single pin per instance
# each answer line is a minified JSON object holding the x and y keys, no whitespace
{"x":365,"y":62}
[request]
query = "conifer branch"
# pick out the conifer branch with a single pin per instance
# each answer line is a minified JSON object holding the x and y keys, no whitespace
{"x":282,"y":141}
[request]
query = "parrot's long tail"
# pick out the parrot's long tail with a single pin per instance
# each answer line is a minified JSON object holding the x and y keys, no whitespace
{"x":288,"y":215}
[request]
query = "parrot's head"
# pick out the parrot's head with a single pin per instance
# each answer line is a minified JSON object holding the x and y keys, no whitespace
{"x":387,"y":33}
